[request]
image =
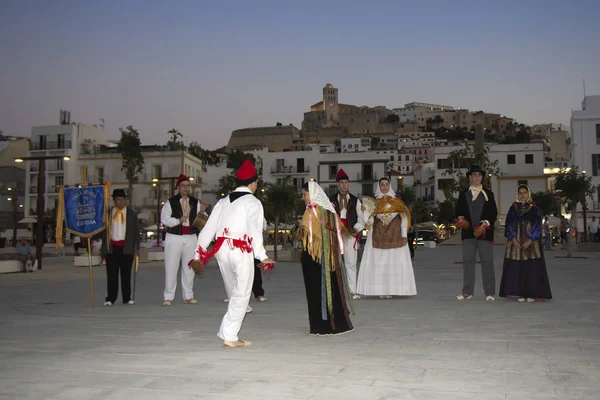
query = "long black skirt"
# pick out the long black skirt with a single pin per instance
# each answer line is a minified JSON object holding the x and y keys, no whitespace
{"x":525,"y":278}
{"x":312,"y":281}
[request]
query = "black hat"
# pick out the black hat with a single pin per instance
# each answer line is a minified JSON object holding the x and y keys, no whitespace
{"x":475,"y":168}
{"x":119,"y":193}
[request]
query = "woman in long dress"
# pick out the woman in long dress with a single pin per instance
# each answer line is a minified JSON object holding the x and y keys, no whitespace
{"x":386,"y":268}
{"x":324,"y":274}
{"x":524,"y":275}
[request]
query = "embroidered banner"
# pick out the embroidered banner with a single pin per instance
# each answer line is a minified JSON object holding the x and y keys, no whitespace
{"x":84,"y":210}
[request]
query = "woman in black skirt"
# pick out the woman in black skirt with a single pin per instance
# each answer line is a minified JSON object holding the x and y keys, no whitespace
{"x":324,"y":273}
{"x":524,"y":276}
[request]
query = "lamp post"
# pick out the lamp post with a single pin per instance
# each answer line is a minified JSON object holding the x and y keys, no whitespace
{"x":39,"y":234}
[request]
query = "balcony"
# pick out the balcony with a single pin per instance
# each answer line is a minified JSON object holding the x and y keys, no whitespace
{"x":366,"y":177}
{"x":287,"y":170}
{"x":58,"y":145}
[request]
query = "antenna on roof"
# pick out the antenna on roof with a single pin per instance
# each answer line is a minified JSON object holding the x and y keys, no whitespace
{"x":584,"y":88}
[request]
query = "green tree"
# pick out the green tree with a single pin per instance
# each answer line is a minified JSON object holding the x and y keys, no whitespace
{"x":227,"y":184}
{"x":573,"y":188}
{"x":461,"y":160}
{"x":278,"y":203}
{"x":375,"y":142}
{"x":175,"y":140}
{"x":407,"y":194}
{"x":196,"y":150}
{"x":419,"y":212}
{"x":445,"y":211}
{"x":546,"y":202}
{"x":130,"y":147}
{"x":236,"y":158}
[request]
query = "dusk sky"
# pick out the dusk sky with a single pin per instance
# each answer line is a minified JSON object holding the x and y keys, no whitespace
{"x":209,"y":67}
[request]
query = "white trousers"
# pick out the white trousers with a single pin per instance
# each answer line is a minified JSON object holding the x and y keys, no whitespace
{"x":179,"y":251}
{"x":350,"y":261}
{"x":237,"y":269}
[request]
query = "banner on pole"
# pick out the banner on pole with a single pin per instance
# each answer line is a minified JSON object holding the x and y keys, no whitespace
{"x":84,"y":210}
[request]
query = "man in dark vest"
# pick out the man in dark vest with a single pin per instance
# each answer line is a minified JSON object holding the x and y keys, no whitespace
{"x":177,"y":216}
{"x":477,"y":206}
{"x":121,"y":248}
{"x":348,"y":208}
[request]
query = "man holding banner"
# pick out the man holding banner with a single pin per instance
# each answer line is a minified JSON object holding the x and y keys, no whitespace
{"x":121,"y":248}
{"x":178,"y":215}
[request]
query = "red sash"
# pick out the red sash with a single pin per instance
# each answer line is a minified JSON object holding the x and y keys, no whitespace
{"x":118,"y":243}
{"x":244,"y":245}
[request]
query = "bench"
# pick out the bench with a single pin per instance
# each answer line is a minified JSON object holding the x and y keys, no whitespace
{"x":9,"y":266}
{"x":84,"y":261}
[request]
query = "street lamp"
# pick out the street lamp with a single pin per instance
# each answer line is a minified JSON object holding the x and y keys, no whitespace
{"x":39,"y":234}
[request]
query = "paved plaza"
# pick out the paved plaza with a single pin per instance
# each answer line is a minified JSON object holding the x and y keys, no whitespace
{"x":54,"y":346}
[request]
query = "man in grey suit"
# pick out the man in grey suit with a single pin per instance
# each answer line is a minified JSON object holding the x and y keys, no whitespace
{"x":477,"y":206}
{"x":121,"y":248}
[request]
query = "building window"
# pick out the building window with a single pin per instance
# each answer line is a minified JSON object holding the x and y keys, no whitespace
{"x":59,"y":181}
{"x":100,"y":175}
{"x":60,"y":142}
{"x":333,"y":171}
{"x":528,"y":158}
{"x":596,"y":165}
{"x":407,"y":158}
{"x":367,"y":189}
{"x":391,"y":158}
{"x":511,"y":159}
{"x":597,"y":133}
{"x":443,"y":163}
{"x":519,"y":183}
{"x":157,"y":171}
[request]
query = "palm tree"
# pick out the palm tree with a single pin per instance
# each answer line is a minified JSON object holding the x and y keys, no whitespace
{"x":279,"y":199}
{"x":130,"y":147}
{"x":174,"y":143}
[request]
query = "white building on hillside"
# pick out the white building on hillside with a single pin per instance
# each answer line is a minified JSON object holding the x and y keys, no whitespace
{"x":363,"y":169}
{"x":299,"y":165}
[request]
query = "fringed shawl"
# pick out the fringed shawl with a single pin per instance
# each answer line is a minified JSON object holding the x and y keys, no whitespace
{"x":320,"y":236}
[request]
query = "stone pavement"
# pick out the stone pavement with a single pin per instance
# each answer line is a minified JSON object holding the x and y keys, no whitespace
{"x":54,"y":346}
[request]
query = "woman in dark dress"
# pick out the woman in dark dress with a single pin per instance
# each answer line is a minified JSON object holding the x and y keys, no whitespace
{"x":324,"y":274}
{"x":524,"y":275}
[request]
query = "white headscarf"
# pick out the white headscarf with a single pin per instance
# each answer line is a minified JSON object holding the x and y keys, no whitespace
{"x":379,"y":194}
{"x":318,"y":196}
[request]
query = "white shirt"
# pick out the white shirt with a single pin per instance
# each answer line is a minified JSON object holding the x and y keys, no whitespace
{"x":360,"y":224}
{"x":594,"y":227}
{"x":97,"y":246}
{"x":117,"y":227}
{"x":169,"y":221}
{"x":76,"y":239}
{"x":245,"y":216}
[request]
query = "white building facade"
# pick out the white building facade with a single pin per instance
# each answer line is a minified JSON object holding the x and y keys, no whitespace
{"x":57,"y":140}
{"x":585,"y":136}
{"x":363,"y":169}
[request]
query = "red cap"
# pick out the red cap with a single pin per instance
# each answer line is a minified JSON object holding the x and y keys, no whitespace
{"x":341,"y":175}
{"x":246,"y":172}
{"x":180,"y":179}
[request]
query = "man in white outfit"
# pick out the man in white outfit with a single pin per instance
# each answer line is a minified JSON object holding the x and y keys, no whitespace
{"x":237,"y":224}
{"x":177,"y":216}
{"x":348,"y":208}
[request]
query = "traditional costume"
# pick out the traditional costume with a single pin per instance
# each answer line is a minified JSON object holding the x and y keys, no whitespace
{"x":348,"y":208}
{"x":386,"y":268}
{"x":180,"y":243}
{"x":477,"y":205}
{"x":524,"y":275}
{"x":324,"y":274}
{"x":120,"y":250}
{"x":237,"y":224}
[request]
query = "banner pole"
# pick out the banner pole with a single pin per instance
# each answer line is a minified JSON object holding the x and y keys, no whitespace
{"x":135,"y":268}
{"x":89,"y":240}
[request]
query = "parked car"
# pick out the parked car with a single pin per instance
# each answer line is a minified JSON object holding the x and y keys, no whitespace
{"x":423,"y":236}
